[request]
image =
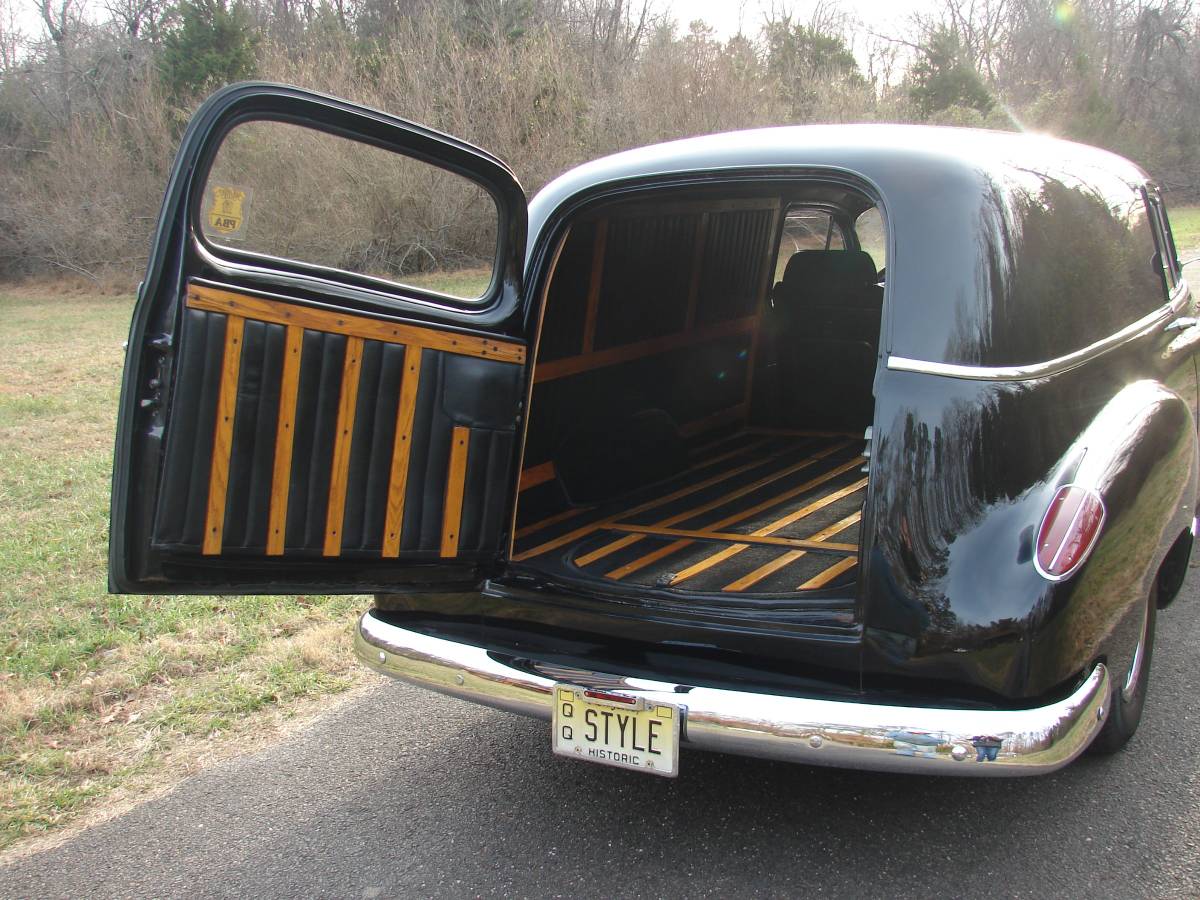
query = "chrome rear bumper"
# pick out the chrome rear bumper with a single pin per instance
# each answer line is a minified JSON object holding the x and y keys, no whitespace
{"x":798,"y":729}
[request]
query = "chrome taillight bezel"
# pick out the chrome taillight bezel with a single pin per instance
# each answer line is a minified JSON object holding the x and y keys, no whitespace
{"x":1086,"y":551}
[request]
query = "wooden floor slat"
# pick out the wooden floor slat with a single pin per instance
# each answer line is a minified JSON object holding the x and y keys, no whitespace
{"x":729,"y":552}
{"x":824,"y":577}
{"x":218,"y":476}
{"x":791,"y":556}
{"x":593,"y":527}
{"x":723,"y":500}
{"x":749,"y":539}
{"x":645,"y":560}
{"x":535,"y":527}
{"x":728,"y":454}
{"x":736,"y":517}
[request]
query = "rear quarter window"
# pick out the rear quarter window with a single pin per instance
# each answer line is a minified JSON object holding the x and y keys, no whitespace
{"x":872,"y":236}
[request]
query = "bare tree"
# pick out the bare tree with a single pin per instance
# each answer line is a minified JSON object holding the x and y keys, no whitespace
{"x":12,"y":40}
{"x":137,"y":18}
{"x":61,"y":19}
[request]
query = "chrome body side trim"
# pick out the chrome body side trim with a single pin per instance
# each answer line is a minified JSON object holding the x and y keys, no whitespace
{"x":798,"y":729}
{"x":1031,"y":371}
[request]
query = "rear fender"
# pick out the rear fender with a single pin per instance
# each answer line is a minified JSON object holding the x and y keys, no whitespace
{"x":962,"y":474}
{"x":1140,"y":456}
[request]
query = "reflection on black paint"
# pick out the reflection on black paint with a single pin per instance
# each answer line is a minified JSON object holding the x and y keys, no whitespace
{"x":1061,"y":266}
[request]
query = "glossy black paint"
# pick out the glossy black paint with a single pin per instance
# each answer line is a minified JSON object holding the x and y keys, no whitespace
{"x":1004,"y":250}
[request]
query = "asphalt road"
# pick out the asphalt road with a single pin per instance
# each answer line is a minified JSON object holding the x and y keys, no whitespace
{"x":403,"y":793}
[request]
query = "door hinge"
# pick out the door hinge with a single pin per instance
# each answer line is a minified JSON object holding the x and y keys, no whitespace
{"x":161,"y":344}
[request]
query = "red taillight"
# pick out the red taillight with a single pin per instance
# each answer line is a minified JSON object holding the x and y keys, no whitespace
{"x":1069,"y":531}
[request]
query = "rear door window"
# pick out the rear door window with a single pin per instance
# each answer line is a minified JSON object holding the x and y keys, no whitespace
{"x":281,"y":191}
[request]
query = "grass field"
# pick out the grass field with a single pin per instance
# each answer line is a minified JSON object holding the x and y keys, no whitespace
{"x":97,"y":692}
{"x":1185,"y":228}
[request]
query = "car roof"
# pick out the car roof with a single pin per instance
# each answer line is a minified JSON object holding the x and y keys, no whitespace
{"x":888,"y":156}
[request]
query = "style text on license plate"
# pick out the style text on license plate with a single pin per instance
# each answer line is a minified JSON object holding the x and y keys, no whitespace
{"x":615,"y":730}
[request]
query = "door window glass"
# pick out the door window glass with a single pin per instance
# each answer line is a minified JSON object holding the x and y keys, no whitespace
{"x":294,"y":193}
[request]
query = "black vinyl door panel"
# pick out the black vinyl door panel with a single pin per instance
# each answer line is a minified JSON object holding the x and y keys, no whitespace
{"x":345,"y":453}
{"x":289,"y":428}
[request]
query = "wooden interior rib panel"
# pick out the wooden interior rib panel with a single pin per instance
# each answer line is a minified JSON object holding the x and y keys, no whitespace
{"x":535,"y":475}
{"x":218,"y":478}
{"x":599,"y":244}
{"x":573,"y":365}
{"x":363,"y":327}
{"x":406,"y":408}
{"x":285,"y":430}
{"x":455,"y":482}
{"x":340,"y":474}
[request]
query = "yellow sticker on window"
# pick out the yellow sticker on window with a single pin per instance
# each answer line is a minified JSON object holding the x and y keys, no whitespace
{"x":227,"y":210}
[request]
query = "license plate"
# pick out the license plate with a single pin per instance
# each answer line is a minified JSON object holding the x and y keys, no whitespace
{"x":631,"y":735}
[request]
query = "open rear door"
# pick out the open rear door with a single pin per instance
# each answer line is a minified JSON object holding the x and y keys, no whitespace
{"x":327,"y":358}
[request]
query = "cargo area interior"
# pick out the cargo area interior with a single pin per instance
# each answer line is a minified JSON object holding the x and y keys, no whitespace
{"x":702,"y":386}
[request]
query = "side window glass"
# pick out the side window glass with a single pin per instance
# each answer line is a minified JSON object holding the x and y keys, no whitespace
{"x":1162,"y":233}
{"x":872,"y":236}
{"x":293,"y":193}
{"x":807,"y":229}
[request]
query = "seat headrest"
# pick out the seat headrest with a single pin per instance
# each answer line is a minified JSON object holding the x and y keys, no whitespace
{"x":850,"y":268}
{"x":805,"y":265}
{"x":842,"y":268}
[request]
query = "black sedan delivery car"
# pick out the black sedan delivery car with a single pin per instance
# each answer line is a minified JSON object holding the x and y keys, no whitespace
{"x":865,"y":446}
